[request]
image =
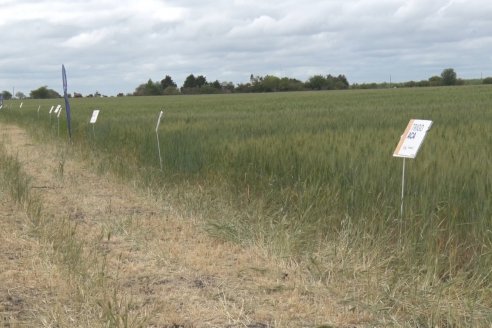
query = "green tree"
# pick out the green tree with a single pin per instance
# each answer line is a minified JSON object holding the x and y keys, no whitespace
{"x":341,"y":82}
{"x":331,"y":82}
{"x":150,"y":88}
{"x":448,"y":77}
{"x":256,"y":83}
{"x":435,"y":81}
{"x":190,"y":81}
{"x":216,"y":85}
{"x":168,"y":82}
{"x":487,"y":80}
{"x":6,"y":95}
{"x":171,"y":90}
{"x":288,"y":84}
{"x":316,"y":82}
{"x":40,"y":93}
{"x":227,"y":87}
{"x":201,"y":81}
{"x":271,"y":83}
{"x":44,"y":93}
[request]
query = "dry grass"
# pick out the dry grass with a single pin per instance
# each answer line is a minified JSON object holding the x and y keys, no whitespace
{"x":102,"y":254}
{"x":30,"y":282}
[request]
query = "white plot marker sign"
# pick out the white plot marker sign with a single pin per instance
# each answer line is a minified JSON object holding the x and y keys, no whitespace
{"x":93,"y":120}
{"x":157,"y":136}
{"x":51,"y":111}
{"x":412,"y":138}
{"x":57,"y":109}
{"x":94,"y":116}
{"x":408,"y":147}
{"x":159,"y":121}
{"x":58,"y":112}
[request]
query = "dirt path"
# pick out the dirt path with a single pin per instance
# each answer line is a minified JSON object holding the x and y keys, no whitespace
{"x":138,"y":262}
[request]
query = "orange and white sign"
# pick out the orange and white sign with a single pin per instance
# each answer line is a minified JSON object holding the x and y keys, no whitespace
{"x":412,"y":138}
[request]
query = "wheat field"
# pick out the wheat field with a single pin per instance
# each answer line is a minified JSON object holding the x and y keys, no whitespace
{"x":310,"y":177}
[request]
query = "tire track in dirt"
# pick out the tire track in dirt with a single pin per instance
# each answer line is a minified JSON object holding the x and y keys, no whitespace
{"x":164,"y":271}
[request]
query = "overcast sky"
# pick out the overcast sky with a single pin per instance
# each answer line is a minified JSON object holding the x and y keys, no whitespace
{"x":113,"y":46}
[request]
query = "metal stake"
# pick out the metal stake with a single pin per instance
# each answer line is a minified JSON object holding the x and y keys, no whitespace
{"x":402,"y":187}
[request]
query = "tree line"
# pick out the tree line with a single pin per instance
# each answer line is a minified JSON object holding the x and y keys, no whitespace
{"x":448,"y":77}
{"x":268,"y":83}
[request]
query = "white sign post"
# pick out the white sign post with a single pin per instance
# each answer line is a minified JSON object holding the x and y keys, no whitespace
{"x":157,"y":135}
{"x":39,"y":107}
{"x":51,"y":111}
{"x":93,"y":120}
{"x":409,"y":145}
{"x":58,"y":112}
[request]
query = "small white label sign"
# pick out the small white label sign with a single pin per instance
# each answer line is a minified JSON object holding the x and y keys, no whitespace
{"x":159,"y":121}
{"x":95,"y":113}
{"x":59,"y":112}
{"x":21,"y":105}
{"x":57,"y":109}
{"x":51,"y":110}
{"x":412,"y":138}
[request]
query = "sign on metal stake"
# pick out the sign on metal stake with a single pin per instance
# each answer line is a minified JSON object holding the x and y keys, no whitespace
{"x":93,"y":120}
{"x":58,"y":112}
{"x":51,"y":111}
{"x":409,"y":145}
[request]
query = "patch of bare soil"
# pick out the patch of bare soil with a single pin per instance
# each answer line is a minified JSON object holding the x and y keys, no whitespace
{"x":160,"y":265}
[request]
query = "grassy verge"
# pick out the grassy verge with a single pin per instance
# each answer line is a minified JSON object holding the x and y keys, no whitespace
{"x":88,"y":291}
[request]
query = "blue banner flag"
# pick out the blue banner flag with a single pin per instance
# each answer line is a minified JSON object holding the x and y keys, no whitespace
{"x":67,"y":104}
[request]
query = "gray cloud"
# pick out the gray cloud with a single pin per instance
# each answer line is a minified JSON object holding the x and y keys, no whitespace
{"x":114,"y":45}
